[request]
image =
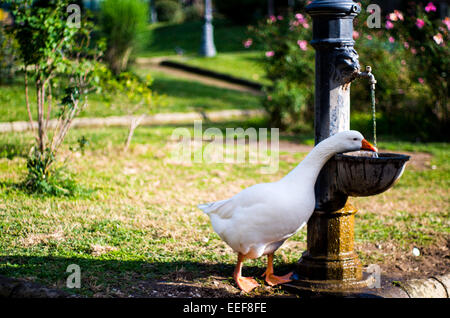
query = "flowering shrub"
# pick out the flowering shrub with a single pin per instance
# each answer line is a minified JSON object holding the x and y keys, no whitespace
{"x":289,"y":64}
{"x":409,"y":56}
{"x":422,"y":37}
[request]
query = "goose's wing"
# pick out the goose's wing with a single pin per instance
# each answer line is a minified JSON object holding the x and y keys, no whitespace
{"x":254,"y":195}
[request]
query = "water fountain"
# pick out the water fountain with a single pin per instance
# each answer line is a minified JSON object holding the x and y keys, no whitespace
{"x":330,"y":263}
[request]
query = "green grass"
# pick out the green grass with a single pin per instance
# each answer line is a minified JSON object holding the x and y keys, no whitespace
{"x":242,"y":64}
{"x":182,"y":95}
{"x":140,"y":224}
{"x":178,"y":95}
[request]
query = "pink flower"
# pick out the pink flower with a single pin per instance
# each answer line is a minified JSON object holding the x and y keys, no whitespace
{"x":392,"y":16}
{"x":395,"y":16}
{"x":421,"y":80}
{"x":303,"y":44}
{"x":413,"y":51}
{"x":270,"y":53}
{"x":300,"y":17}
{"x":403,"y":62}
{"x":438,"y":38}
{"x":280,"y":17}
{"x":406,"y":45}
{"x":248,"y":43}
{"x":355,"y":34}
{"x":420,"y":23}
{"x":446,"y":21}
{"x":399,"y":15}
{"x":430,"y":7}
{"x":389,"y":24}
{"x":391,"y":39}
{"x":369,"y":37}
{"x":305,"y":25}
{"x":272,"y":18}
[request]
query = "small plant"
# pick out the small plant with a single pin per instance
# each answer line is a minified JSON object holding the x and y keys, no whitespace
{"x":56,"y":182}
{"x":59,"y":60}
{"x":82,"y":143}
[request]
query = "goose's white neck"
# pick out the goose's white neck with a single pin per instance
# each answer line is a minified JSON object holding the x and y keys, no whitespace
{"x":308,"y":170}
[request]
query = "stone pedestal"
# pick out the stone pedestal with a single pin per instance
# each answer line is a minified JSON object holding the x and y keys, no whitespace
{"x":331,"y":264}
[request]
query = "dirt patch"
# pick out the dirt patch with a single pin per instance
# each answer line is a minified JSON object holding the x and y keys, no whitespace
{"x":420,"y":160}
{"x":38,"y":238}
{"x":400,"y":264}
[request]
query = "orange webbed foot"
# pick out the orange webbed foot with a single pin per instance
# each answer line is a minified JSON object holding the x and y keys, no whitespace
{"x":246,"y":284}
{"x":274,"y":280}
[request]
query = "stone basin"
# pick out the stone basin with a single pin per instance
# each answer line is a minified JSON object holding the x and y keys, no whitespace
{"x":361,"y":176}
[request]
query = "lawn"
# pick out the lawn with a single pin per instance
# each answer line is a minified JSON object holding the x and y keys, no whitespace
{"x":134,"y":228}
{"x":177,"y":95}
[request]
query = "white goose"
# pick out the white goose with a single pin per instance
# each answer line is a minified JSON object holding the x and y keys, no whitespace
{"x":258,"y":220}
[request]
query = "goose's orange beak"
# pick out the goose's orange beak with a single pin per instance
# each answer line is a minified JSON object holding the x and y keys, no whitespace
{"x":368,"y":146}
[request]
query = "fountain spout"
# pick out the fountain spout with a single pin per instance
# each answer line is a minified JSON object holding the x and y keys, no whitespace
{"x":368,"y":74}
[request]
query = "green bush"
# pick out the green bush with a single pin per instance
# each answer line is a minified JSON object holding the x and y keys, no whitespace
{"x":7,"y":56}
{"x":193,"y":12}
{"x":8,"y":50}
{"x":169,"y":11}
{"x":122,"y":22}
{"x":289,"y":65}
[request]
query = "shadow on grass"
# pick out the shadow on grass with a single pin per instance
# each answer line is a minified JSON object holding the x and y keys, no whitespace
{"x":11,"y":150}
{"x":102,"y":275}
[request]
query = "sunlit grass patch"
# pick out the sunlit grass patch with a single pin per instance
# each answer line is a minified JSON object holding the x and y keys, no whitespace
{"x":141,"y":224}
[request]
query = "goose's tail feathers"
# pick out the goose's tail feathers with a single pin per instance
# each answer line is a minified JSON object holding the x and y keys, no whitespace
{"x":212,"y":206}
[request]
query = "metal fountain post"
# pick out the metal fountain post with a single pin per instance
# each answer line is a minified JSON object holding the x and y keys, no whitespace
{"x":330,"y":262}
{"x":208,"y":48}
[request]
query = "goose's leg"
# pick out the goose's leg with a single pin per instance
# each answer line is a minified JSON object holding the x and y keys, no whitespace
{"x":271,"y":279}
{"x":246,"y":284}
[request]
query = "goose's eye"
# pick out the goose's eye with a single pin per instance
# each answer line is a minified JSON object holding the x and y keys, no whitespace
{"x":355,"y":139}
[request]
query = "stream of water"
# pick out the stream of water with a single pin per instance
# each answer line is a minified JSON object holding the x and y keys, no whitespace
{"x":374,"y":116}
